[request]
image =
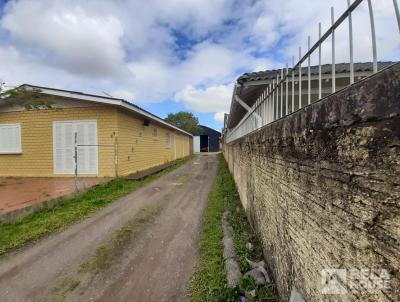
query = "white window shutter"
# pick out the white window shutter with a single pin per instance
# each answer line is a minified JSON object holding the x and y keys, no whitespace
{"x":10,"y":138}
{"x":92,"y":150}
{"x":82,"y":158}
{"x":69,"y":148}
{"x":59,"y":156}
{"x":64,"y":147}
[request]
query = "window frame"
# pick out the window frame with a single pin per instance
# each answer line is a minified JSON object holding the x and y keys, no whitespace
{"x":168,"y":140}
{"x":15,"y":151}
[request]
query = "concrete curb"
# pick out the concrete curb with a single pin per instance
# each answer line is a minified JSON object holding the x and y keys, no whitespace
{"x":232,"y":267}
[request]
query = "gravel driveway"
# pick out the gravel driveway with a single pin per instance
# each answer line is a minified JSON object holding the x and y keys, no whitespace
{"x":154,"y":265}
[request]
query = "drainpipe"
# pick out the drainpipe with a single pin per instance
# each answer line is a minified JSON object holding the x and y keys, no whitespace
{"x":174,"y":146}
{"x":116,"y":155}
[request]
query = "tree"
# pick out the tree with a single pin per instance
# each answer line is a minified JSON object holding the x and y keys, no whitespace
{"x":185,"y":121}
{"x":31,"y":99}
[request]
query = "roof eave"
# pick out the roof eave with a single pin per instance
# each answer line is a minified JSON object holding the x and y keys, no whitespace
{"x":104,"y":100}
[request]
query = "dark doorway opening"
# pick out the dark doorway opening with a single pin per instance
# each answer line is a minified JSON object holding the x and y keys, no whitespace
{"x":203,"y":143}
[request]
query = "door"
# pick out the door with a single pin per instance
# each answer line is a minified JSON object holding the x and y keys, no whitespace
{"x":203,"y":143}
{"x":196,"y":144}
{"x":64,"y":147}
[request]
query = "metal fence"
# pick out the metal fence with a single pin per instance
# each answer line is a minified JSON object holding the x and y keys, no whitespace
{"x":276,"y":101}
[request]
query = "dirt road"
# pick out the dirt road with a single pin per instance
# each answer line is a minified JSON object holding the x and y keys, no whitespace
{"x":142,"y":247}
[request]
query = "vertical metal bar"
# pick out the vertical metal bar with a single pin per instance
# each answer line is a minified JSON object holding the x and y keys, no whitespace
{"x":351,"y":46}
{"x":299,"y":78}
{"x":277,"y":96}
{"x":270,"y":102}
{"x":281,"y":92}
{"x":293,"y":84}
{"x":287,"y":90}
{"x":76,"y":160}
{"x":273,"y":100}
{"x":262,"y":108}
{"x":333,"y":52}
{"x":374,"y":52}
{"x":319,"y":64}
{"x":396,"y":9}
{"x":266,"y":105}
{"x":309,"y":72}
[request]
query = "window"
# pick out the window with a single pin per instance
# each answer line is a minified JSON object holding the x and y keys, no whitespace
{"x":168,"y":139}
{"x":10,"y":138}
{"x":155,"y":132}
{"x":64,"y":147}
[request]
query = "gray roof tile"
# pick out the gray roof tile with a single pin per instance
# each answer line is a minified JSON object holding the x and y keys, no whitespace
{"x":325,"y":69}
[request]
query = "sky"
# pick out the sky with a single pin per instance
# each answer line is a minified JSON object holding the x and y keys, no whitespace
{"x":173,"y":55}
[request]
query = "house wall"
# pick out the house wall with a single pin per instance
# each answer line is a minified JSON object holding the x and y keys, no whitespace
{"x":182,"y":145}
{"x":139,"y":147}
{"x":36,"y":159}
{"x":321,"y":187}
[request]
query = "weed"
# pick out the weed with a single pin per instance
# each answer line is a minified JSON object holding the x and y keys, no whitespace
{"x":106,"y":254}
{"x":209,"y":277}
{"x":60,"y":292}
{"x":70,"y":210}
{"x":99,"y":261}
{"x":209,"y":280}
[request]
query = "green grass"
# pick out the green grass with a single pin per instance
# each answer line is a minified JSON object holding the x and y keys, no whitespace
{"x":208,"y":283}
{"x":60,"y":292}
{"x":69,"y":210}
{"x":210,"y":277}
{"x":242,"y":233}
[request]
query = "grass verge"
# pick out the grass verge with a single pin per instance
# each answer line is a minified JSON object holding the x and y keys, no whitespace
{"x":208,"y":283}
{"x":69,"y":210}
{"x":210,"y":277}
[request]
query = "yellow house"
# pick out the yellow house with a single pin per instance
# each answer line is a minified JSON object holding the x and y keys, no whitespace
{"x":39,"y":137}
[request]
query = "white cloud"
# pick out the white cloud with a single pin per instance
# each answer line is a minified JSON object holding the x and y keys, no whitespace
{"x":196,"y":16}
{"x":219,"y":116}
{"x":212,"y":99}
{"x":122,"y":94}
{"x":77,"y":41}
{"x":205,"y":65}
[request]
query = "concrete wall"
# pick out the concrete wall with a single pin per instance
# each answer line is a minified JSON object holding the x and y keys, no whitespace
{"x":322,"y":188}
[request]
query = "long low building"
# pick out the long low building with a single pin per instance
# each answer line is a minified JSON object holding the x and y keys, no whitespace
{"x":40,"y":134}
